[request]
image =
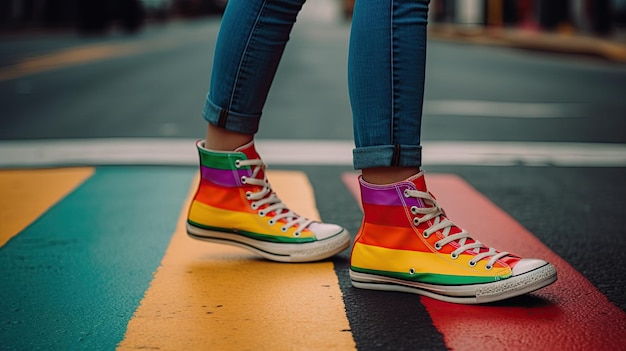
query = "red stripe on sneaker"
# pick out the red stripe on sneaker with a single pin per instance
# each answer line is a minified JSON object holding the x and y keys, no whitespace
{"x":376,"y":215}
{"x":394,"y":238}
{"x":570,"y":314}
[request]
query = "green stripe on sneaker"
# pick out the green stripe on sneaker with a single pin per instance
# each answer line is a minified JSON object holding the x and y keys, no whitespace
{"x":255,"y":236}
{"x":431,"y":278}
{"x":221,"y":160}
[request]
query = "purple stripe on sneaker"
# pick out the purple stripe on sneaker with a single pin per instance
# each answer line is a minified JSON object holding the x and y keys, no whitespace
{"x":392,"y":195}
{"x":229,"y":178}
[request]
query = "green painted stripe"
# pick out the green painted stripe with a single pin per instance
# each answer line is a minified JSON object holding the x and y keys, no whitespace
{"x":256,"y":236}
{"x":431,"y":278}
{"x":220,"y":160}
{"x":73,"y":278}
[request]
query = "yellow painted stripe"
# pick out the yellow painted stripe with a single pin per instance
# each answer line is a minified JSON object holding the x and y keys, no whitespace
{"x":213,"y":297}
{"x":91,"y":53}
{"x":27,"y":194}
{"x":64,"y":58}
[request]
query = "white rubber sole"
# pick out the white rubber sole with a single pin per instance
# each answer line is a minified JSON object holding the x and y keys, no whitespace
{"x":305,"y":252}
{"x":462,"y":294}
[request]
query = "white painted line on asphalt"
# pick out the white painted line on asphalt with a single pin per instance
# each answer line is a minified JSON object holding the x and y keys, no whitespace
{"x":181,"y":152}
{"x":321,"y":11}
{"x":473,"y":108}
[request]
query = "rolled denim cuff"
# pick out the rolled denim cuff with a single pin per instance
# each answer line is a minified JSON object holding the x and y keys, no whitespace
{"x":232,"y":121}
{"x":387,"y":155}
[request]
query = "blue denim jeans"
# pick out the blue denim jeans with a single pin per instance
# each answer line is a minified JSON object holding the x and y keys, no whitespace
{"x":386,"y":69}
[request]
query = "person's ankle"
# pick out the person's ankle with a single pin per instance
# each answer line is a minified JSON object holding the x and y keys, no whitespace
{"x":220,"y":139}
{"x":388,"y":175}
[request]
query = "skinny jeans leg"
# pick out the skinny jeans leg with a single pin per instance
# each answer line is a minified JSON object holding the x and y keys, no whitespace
{"x":386,"y":72}
{"x":250,"y":44}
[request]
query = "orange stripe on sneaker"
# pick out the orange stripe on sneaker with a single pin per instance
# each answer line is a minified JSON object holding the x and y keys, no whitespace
{"x":215,"y":297}
{"x":222,"y":197}
{"x":570,"y":314}
{"x":394,"y":238}
{"x":27,"y":194}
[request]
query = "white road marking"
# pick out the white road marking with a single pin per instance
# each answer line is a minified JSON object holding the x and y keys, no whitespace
{"x":320,"y":11}
{"x":181,"y":152}
{"x":473,"y":108}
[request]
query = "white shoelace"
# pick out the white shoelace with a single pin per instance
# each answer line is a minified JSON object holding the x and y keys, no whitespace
{"x":267,"y":197}
{"x":444,"y":225}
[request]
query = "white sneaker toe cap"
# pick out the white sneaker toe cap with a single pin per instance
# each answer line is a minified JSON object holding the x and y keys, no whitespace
{"x":325,"y":230}
{"x":526,"y":265}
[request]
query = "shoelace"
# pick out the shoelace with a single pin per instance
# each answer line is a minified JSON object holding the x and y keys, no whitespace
{"x":443,"y":224}
{"x":267,"y":197}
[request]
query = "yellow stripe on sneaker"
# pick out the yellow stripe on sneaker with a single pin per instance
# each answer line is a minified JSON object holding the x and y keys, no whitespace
{"x":27,"y":194}
{"x":405,"y":261}
{"x":244,"y":222}
{"x":215,"y":297}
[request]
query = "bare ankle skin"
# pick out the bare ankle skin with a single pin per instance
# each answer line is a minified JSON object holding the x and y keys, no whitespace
{"x":221,"y":139}
{"x":388,"y":175}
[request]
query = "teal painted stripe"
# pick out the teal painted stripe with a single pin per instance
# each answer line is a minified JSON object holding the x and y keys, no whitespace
{"x":72,"y":279}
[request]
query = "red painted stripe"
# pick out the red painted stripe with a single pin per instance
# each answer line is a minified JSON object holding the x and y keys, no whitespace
{"x":571,"y":314}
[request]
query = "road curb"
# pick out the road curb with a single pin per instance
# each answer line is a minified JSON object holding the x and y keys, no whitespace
{"x":530,"y":40}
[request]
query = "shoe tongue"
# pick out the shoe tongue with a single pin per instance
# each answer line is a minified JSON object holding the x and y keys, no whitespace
{"x":419,"y":181}
{"x":249,"y":150}
{"x":420,"y":184}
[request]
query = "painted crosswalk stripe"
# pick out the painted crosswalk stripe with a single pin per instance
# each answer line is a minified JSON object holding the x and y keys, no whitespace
{"x":27,"y":194}
{"x":72,"y":278}
{"x":208,"y":296}
{"x":571,"y":314}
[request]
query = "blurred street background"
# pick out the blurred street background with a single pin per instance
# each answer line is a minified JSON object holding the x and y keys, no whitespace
{"x":525,"y":101}
{"x":561,"y":60}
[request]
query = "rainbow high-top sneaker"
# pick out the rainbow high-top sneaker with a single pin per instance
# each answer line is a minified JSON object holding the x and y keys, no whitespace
{"x":235,"y":205}
{"x":406,"y":243}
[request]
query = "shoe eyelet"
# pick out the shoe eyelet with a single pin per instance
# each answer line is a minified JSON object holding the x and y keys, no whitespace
{"x":248,"y":194}
{"x":454,"y":255}
{"x":471,"y":263}
{"x":272,"y":221}
{"x":488,"y":267}
{"x":253,"y":205}
{"x":243,"y":179}
{"x":414,"y":210}
{"x":406,"y":193}
{"x":262,"y":213}
{"x":296,"y":234}
{"x":283,"y":229}
{"x":237,"y":163}
{"x":426,"y":235}
{"x":416,"y":221}
{"x":412,"y":271}
{"x":437,"y":246}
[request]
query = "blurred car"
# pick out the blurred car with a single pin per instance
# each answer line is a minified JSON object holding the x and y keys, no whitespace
{"x":200,"y":7}
{"x":158,"y":9}
{"x":96,"y":17}
{"x":348,"y":7}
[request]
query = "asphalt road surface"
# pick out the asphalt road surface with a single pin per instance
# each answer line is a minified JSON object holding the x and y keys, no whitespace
{"x":153,"y":85}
